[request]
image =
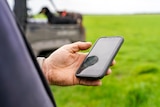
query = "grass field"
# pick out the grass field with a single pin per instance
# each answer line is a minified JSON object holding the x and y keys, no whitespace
{"x":135,"y":80}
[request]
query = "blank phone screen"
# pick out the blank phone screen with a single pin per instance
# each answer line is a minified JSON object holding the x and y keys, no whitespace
{"x":100,"y":57}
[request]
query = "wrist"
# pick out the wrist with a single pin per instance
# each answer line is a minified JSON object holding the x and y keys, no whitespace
{"x":43,"y":66}
{"x":41,"y":62}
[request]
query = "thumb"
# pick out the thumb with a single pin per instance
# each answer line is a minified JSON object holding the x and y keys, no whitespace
{"x":77,"y":46}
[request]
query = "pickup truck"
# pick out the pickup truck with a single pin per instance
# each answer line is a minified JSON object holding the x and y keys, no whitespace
{"x":43,"y":37}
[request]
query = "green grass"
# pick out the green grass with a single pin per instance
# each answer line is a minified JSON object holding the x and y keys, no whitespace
{"x":134,"y":81}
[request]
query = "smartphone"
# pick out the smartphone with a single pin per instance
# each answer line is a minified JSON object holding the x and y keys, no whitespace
{"x":100,"y":57}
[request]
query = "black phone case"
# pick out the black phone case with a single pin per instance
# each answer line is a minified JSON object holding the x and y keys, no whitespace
{"x":108,"y":63}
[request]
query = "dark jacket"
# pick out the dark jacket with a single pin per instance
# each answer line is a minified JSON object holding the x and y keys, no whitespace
{"x":21,"y":81}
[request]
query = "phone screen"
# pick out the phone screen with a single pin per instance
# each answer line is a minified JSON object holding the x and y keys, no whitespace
{"x":100,"y":57}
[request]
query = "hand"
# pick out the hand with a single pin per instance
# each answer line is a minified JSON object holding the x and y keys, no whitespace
{"x":60,"y":67}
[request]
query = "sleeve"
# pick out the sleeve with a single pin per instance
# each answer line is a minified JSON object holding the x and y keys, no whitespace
{"x":40,"y":61}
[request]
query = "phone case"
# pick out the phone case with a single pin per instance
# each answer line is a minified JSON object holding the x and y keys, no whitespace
{"x":100,"y":58}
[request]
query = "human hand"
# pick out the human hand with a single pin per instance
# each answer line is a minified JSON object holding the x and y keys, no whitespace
{"x":60,"y":67}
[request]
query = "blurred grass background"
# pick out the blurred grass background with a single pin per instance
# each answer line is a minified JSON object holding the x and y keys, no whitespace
{"x":134,"y":81}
